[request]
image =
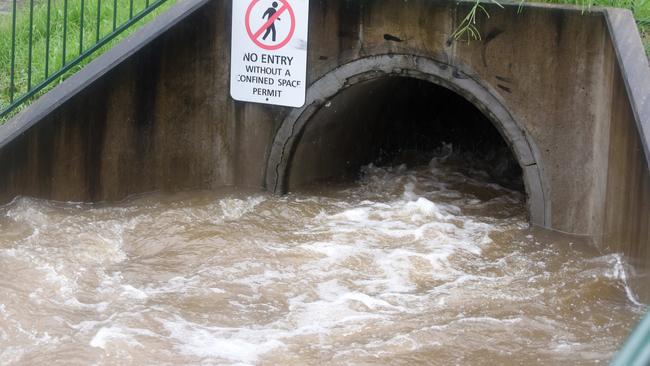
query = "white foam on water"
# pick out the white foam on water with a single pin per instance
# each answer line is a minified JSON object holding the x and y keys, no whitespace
{"x":233,"y":209}
{"x":414,"y":221}
{"x":620,"y":273}
{"x":123,"y":335}
{"x":134,"y":293}
{"x":403,"y":263}
{"x":29,"y":211}
{"x":233,"y":344}
{"x":176,"y":284}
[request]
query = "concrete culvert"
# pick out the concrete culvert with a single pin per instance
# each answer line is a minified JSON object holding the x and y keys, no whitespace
{"x":392,"y":109}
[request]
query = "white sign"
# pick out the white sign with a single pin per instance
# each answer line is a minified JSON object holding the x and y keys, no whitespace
{"x":268,"y":60}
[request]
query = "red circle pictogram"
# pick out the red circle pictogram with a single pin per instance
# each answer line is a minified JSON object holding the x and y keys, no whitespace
{"x":254,"y":36}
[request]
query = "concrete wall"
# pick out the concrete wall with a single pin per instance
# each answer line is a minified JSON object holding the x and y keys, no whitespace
{"x":159,"y":116}
{"x":627,"y":201}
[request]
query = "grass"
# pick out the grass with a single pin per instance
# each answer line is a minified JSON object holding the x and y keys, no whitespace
{"x":51,"y":56}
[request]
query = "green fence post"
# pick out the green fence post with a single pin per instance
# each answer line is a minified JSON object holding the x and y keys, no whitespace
{"x":47,"y":40}
{"x":13,"y":55}
{"x":81,"y":28}
{"x":31,"y":39}
{"x":65,"y":29}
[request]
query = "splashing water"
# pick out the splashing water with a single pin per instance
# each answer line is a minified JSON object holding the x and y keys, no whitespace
{"x":419,"y":266}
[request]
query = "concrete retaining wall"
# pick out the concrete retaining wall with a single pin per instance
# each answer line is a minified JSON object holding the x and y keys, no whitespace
{"x":155,"y":113}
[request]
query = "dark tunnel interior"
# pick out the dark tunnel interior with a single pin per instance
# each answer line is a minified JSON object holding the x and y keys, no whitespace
{"x":394,"y":120}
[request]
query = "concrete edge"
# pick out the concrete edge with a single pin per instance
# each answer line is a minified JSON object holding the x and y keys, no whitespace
{"x":634,"y":67}
{"x":53,"y":99}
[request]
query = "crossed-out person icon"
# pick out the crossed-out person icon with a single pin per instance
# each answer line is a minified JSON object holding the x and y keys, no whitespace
{"x":269,"y":13}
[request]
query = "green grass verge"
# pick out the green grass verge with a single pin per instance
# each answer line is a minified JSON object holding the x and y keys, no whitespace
{"x":52,"y":55}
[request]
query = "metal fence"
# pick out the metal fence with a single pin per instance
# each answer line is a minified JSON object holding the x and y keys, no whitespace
{"x":636,"y":350}
{"x":42,"y":40}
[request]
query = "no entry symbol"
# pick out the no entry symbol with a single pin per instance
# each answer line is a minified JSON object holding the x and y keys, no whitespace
{"x":265,"y":36}
{"x":268,"y":51}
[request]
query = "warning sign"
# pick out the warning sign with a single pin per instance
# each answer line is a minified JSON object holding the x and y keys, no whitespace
{"x":268,"y":62}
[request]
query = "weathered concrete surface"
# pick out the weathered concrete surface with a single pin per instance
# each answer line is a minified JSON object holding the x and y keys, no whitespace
{"x":159,"y":116}
{"x":627,"y":205}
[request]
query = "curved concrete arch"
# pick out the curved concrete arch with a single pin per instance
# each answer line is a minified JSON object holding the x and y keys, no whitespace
{"x":473,"y":90}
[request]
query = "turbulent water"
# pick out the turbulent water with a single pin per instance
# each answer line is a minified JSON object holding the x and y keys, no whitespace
{"x":421,"y":266}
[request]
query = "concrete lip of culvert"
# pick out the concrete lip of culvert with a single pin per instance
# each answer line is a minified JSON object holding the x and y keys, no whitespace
{"x":635,"y":67}
{"x":448,"y":76}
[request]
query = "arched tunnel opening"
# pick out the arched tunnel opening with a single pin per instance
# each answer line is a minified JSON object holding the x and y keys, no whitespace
{"x":398,"y":120}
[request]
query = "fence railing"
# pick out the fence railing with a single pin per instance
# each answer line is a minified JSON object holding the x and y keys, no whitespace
{"x":636,"y":350}
{"x":42,"y":40}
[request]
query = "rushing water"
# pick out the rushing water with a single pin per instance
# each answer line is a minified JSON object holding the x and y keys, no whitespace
{"x":423,"y":266}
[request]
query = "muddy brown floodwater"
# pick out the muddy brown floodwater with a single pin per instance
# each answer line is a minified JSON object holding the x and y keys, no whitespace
{"x":430,"y":265}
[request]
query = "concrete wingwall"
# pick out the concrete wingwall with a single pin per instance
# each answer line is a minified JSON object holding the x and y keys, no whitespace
{"x":560,"y":85}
